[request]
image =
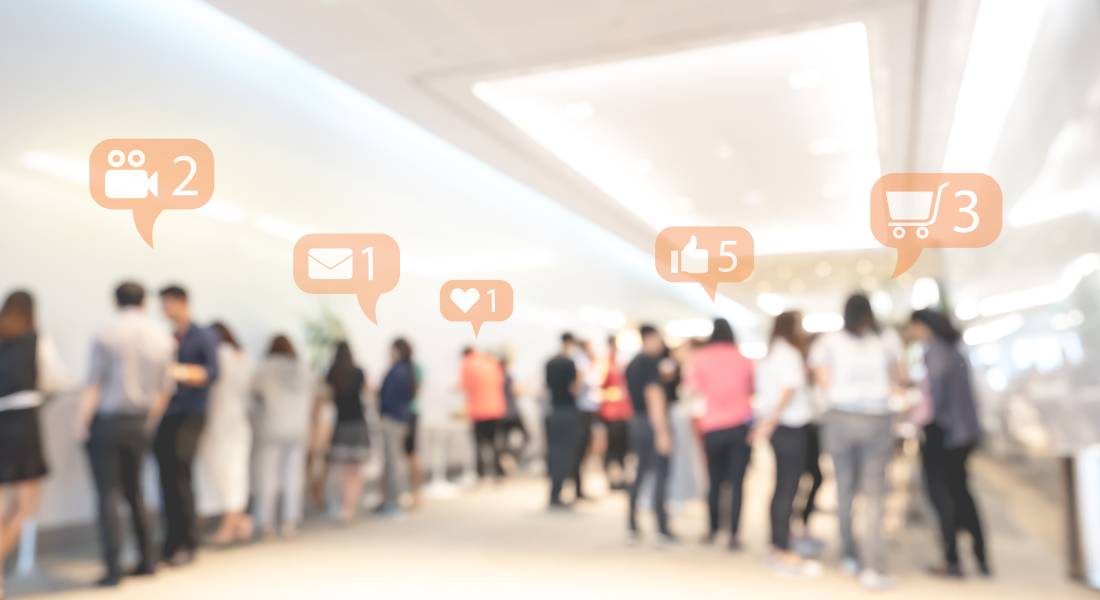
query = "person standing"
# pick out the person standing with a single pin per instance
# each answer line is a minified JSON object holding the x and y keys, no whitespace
{"x":30,"y":369}
{"x":127,"y":391}
{"x":650,"y":434}
{"x":482,"y":380}
{"x":562,"y":419}
{"x":285,"y":389}
{"x":226,"y":447}
{"x":615,"y":413}
{"x":725,"y":380}
{"x":395,"y":400}
{"x":952,"y":433}
{"x":412,"y":458}
{"x":177,"y":439}
{"x":857,"y":368}
{"x":784,"y":409}
{"x":588,"y":405}
{"x":350,"y":447}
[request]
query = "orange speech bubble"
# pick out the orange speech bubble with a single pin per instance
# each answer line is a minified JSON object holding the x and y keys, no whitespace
{"x":365,"y":264}
{"x":705,"y":255}
{"x":476,"y":301}
{"x":914,"y":211}
{"x":148,"y":176}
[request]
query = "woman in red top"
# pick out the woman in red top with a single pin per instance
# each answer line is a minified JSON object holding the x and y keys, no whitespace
{"x":724,"y":378}
{"x":615,"y":413}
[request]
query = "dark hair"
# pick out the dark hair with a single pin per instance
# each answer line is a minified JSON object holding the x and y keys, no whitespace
{"x":939,"y":323}
{"x":225,"y":334}
{"x":467,"y":350}
{"x":342,"y":372}
{"x":787,"y":327}
{"x":129,"y":293}
{"x":568,"y":338}
{"x":281,"y":346}
{"x":174,"y":292}
{"x":722,"y":332}
{"x":859,"y":318}
{"x":612,"y":341}
{"x":17,"y":315}
{"x":646,"y":330}
{"x":404,"y":350}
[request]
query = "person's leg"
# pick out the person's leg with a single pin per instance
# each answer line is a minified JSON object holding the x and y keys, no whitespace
{"x":836,"y":438}
{"x":267,"y":485}
{"x":584,"y":439}
{"x":164,"y":448}
{"x":641,"y":434}
{"x":813,"y":469}
{"x":934,"y":467}
{"x":878,"y":449}
{"x":131,"y":456}
{"x":480,"y":441}
{"x":103,"y":458}
{"x":662,"y":464}
{"x":717,"y":464}
{"x":352,"y":474}
{"x":393,"y":439}
{"x":187,"y":447}
{"x":739,"y":454}
{"x":496,"y":438}
{"x":294,"y":472}
{"x":789,"y":444}
{"x":25,"y":498}
{"x":966,"y":509}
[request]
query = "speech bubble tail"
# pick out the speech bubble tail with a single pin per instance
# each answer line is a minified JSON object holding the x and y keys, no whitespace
{"x":477,"y":327}
{"x":369,"y":304}
{"x":144,"y":220}
{"x":711,"y":288}
{"x":906,"y":259}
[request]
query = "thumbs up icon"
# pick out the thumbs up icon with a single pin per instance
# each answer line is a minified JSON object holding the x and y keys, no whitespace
{"x":691,"y":258}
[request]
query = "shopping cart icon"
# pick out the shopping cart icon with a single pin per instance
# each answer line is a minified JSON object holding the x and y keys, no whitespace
{"x":913,"y":210}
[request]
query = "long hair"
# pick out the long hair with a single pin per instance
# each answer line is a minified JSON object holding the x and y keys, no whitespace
{"x":281,"y":346}
{"x":405,"y":356}
{"x":722,"y":332}
{"x":226,"y":334}
{"x":859,"y":317}
{"x":788,"y":327}
{"x":17,"y":315}
{"x":938,"y":323}
{"x":342,"y":372}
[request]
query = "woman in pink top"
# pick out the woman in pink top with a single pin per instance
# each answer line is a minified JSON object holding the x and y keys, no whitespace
{"x":724,"y":378}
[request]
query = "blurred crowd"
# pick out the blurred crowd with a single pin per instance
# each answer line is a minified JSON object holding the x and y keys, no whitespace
{"x":270,"y":434}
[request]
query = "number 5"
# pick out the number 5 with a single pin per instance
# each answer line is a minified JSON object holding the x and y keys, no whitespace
{"x":969,"y":210}
{"x":722,"y":250}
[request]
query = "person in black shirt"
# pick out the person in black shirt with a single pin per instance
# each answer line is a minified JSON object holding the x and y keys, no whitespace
{"x":350,"y":446}
{"x":649,"y":430}
{"x":563,"y":420}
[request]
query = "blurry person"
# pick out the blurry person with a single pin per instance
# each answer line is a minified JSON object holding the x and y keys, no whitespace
{"x":856,"y":368}
{"x":227,"y":440}
{"x":512,"y":422}
{"x":587,"y":406}
{"x":285,"y":390}
{"x":811,"y":462}
{"x":30,"y":368}
{"x":650,"y":435}
{"x":562,"y":419}
{"x":483,"y":383}
{"x":724,"y":378}
{"x":784,"y":409}
{"x":412,"y":459}
{"x":177,"y":439}
{"x":350,"y":446}
{"x":615,"y":413}
{"x":127,"y":391}
{"x":950,"y":436}
{"x":395,"y":399}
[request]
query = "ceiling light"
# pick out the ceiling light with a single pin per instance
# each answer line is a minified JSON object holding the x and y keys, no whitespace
{"x":822,"y":322}
{"x":801,"y":80}
{"x":689,"y":328}
{"x":881,"y":303}
{"x":723,"y":152}
{"x":59,"y":166}
{"x":925,"y":294}
{"x":579,"y":111}
{"x":993,"y":331}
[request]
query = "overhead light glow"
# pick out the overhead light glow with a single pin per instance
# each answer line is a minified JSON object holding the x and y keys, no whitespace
{"x":925,"y":294}
{"x":58,"y":166}
{"x":988,"y":333}
{"x":822,"y":322}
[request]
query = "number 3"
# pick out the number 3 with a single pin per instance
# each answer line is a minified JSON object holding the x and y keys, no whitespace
{"x":969,"y":210}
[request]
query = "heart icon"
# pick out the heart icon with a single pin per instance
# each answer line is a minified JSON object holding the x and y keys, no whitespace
{"x":465,"y":299}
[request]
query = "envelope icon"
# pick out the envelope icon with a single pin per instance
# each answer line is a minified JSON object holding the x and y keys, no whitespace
{"x":330,"y":263}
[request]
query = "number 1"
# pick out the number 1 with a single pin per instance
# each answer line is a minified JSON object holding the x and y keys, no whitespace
{"x":370,"y":263}
{"x":492,"y":300}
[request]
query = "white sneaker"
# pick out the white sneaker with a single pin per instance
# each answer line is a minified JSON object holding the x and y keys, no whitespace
{"x":873,"y":580}
{"x":849,"y":566}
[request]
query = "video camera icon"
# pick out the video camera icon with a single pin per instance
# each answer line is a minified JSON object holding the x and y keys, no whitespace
{"x":133,"y":183}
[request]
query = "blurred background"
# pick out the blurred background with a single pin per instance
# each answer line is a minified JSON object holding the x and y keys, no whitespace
{"x":546,"y":143}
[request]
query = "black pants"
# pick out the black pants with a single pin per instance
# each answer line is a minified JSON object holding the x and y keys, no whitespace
{"x":487,"y":446}
{"x":728,"y":455}
{"x":618,"y":445}
{"x":650,"y":463}
{"x":562,"y":429}
{"x":507,"y":427}
{"x":116,"y":449}
{"x":175,"y":445}
{"x":947,"y":481}
{"x":812,"y":466}
{"x":584,"y":440}
{"x":789,"y":445}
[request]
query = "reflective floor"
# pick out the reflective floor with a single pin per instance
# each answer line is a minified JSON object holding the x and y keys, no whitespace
{"x":496,"y":541}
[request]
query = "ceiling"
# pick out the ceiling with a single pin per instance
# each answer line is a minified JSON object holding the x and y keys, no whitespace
{"x":775,"y":116}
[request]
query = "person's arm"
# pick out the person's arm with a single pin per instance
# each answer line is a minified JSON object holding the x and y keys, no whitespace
{"x":656,"y":404}
{"x":90,"y":395}
{"x":160,"y":404}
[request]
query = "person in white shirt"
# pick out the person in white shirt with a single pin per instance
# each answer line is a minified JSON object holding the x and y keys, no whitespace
{"x":784,"y":410}
{"x":226,"y":447}
{"x":857,"y":370}
{"x":286,"y":391}
{"x":29,"y":369}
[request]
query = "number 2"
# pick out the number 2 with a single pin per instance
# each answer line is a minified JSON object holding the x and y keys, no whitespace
{"x":968,"y":210}
{"x":180,"y":191}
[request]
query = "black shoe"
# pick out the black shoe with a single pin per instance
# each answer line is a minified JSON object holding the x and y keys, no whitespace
{"x":181,"y":558}
{"x":142,"y":570}
{"x":734,"y":544}
{"x":709,"y":538}
{"x":666,"y":539}
{"x":983,"y":568}
{"x":109,"y":580}
{"x":948,"y":571}
{"x":559,"y":507}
